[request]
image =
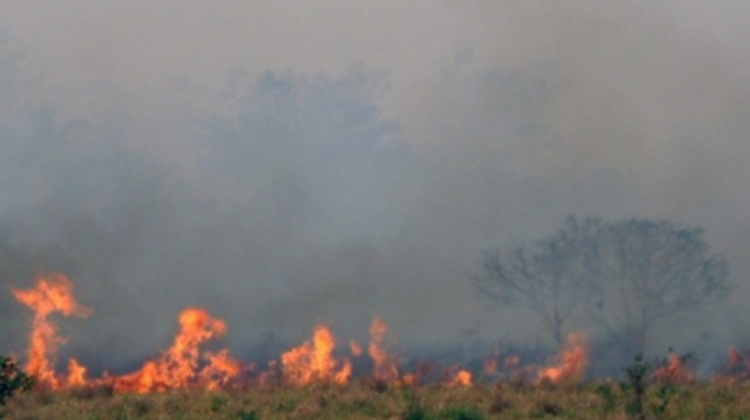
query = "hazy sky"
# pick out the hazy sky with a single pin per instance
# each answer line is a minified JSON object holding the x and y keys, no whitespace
{"x":284,"y":162}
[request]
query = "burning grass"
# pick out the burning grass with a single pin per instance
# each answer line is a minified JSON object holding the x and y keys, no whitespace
{"x":318,"y":379}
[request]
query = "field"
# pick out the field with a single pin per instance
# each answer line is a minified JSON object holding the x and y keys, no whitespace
{"x":514,"y":399}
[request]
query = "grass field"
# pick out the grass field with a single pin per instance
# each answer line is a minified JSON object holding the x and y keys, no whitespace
{"x":715,"y":400}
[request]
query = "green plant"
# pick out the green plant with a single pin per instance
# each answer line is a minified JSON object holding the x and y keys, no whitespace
{"x":218,"y":403}
{"x":247,"y":415}
{"x":460,"y":412}
{"x":415,"y":410}
{"x":12,"y":379}
{"x":664,"y":395}
{"x":607,"y":394}
{"x":636,"y":374}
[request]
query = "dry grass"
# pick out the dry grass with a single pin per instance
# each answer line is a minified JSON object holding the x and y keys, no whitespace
{"x":364,"y":400}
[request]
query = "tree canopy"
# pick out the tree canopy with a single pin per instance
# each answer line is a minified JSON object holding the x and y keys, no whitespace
{"x":625,"y":275}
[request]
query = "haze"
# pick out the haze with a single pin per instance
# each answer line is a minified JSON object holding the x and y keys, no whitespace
{"x":280,"y":163}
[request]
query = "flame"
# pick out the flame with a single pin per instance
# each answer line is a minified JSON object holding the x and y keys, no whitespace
{"x":76,"y":374}
{"x":53,"y":293}
{"x":314,"y":361}
{"x":178,"y":366}
{"x":572,"y":358}
{"x":184,"y":365}
{"x":461,"y":378}
{"x":355,"y":348}
{"x":221,"y":369}
{"x":385,"y":367}
{"x":410,"y":379}
{"x":674,"y":370}
{"x":490,"y":363}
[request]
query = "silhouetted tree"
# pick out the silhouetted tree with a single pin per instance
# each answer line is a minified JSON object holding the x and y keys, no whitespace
{"x":627,"y":275}
{"x":550,"y":277}
{"x":648,"y":270}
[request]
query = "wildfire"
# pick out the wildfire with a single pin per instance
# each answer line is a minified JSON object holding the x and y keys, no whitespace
{"x":314,"y":361}
{"x":52,"y":293}
{"x":571,"y":362}
{"x":462,"y":378}
{"x":178,"y":366}
{"x":674,"y":370}
{"x":185,"y":364}
{"x":385,"y":367}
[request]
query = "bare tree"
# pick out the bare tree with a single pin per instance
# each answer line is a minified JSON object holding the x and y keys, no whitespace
{"x":549,"y":277}
{"x":649,"y":270}
{"x":626,"y":275}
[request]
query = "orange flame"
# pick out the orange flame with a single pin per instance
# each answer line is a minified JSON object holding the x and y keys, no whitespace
{"x":461,"y":378}
{"x":314,"y":361}
{"x":221,"y":369}
{"x":489,"y":366}
{"x":53,"y":293}
{"x":355,"y":348}
{"x":674,"y":370}
{"x":178,"y":366}
{"x":572,"y":359}
{"x":76,"y":374}
{"x":385,"y":368}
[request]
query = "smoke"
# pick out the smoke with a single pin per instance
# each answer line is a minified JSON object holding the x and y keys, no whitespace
{"x":280,"y":166}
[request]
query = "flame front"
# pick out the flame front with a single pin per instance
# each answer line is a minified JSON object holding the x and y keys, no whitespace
{"x":385,"y":367}
{"x":572,"y":358}
{"x":184,"y":365}
{"x":314,"y":361}
{"x":53,"y":293}
{"x":178,"y":366}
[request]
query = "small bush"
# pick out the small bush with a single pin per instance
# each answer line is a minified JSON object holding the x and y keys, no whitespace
{"x":12,"y":379}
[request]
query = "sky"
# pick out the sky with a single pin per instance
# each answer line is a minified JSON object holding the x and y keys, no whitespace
{"x":284,"y":163}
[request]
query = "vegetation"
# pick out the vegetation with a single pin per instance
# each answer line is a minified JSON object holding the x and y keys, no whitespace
{"x":12,"y":379}
{"x":717,"y":400}
{"x":626,"y":276}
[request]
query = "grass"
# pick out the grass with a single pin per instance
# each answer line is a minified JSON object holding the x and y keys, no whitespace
{"x":719,"y":400}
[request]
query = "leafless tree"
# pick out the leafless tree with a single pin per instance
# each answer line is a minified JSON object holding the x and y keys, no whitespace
{"x":550,"y":277}
{"x":626,"y":275}
{"x":649,"y":270}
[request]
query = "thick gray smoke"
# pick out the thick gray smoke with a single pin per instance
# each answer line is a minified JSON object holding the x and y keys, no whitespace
{"x":284,"y":166}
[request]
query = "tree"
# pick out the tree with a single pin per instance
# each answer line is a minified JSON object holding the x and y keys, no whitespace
{"x":550,"y":277}
{"x":627,"y":275}
{"x":647,"y":271}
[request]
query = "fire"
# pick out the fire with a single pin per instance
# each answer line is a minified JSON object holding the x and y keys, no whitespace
{"x":185,"y":365}
{"x":489,"y":366}
{"x":178,"y":366}
{"x":220,"y":370}
{"x":572,"y":359}
{"x":355,"y":348}
{"x":385,"y":367}
{"x":462,"y":378}
{"x":674,"y":370}
{"x":53,"y":293}
{"x":314,"y":361}
{"x":76,"y":374}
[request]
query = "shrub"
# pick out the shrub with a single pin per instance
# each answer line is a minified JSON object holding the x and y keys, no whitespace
{"x":12,"y":379}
